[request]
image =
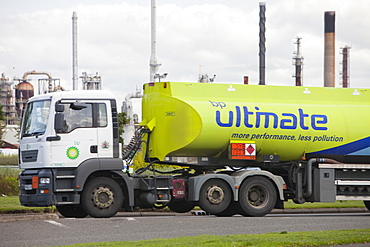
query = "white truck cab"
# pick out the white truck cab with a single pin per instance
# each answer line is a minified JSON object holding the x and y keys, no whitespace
{"x":65,"y":134}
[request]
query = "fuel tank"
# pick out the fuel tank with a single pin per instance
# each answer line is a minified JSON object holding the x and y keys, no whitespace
{"x":202,"y":119}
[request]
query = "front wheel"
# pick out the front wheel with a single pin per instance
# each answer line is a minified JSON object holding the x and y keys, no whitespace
{"x":257,"y":197}
{"x":102,"y":197}
{"x":215,"y":196}
{"x":74,"y":211}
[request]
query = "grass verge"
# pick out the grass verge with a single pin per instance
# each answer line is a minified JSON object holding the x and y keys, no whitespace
{"x":313,"y":238}
{"x":11,"y":205}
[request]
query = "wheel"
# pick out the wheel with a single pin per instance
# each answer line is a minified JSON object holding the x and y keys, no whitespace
{"x":215,"y":196}
{"x":102,"y":197}
{"x":74,"y":211}
{"x":367,"y":204}
{"x":180,"y":206}
{"x":257,"y":197}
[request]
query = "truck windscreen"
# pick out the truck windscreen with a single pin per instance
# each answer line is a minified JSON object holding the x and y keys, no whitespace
{"x":35,"y":118}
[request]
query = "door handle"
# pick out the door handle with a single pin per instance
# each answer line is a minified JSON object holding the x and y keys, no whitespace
{"x":94,"y":149}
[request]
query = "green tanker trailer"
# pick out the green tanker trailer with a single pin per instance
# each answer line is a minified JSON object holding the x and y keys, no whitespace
{"x":194,"y":119}
{"x":237,"y":149}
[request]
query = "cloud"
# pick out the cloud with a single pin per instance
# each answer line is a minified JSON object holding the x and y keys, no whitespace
{"x":222,"y":36}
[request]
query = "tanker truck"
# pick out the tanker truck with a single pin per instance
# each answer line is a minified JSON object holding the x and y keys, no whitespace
{"x":234,"y":149}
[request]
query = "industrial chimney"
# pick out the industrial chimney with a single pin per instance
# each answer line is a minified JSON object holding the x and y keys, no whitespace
{"x":262,"y":42}
{"x":329,"y":49}
{"x":154,"y":65}
{"x":345,"y":71}
{"x":74,"y":51}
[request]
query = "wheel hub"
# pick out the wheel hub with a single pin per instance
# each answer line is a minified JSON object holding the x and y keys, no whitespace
{"x":257,"y":196}
{"x":102,"y":197}
{"x":215,"y":194}
{"x":254,"y":196}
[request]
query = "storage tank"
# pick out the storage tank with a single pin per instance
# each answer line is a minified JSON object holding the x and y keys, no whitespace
{"x":23,"y":91}
{"x":197,"y":119}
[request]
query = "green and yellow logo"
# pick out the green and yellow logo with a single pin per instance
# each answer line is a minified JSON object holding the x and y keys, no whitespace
{"x":73,"y":153}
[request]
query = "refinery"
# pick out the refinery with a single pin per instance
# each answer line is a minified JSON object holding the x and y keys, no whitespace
{"x":15,"y":92}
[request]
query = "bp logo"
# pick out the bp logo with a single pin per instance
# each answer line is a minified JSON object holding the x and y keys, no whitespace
{"x":73,"y":153}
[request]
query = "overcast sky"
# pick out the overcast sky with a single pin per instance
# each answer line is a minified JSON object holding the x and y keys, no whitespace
{"x":221,"y":36}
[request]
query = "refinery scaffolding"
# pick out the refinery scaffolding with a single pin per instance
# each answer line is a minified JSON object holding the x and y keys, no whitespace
{"x":91,"y":82}
{"x":7,"y":100}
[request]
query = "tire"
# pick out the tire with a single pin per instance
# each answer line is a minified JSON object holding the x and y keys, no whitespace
{"x":367,"y":204}
{"x":257,"y":197}
{"x":72,"y":211}
{"x":102,"y":197}
{"x":180,"y":206}
{"x":215,"y":196}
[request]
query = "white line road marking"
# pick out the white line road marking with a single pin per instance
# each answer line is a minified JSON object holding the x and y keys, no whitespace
{"x":130,"y":218}
{"x":55,"y":223}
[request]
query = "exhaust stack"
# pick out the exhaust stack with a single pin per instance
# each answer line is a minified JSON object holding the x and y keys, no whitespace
{"x":329,"y":49}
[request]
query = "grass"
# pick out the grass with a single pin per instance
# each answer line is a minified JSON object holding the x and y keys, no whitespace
{"x":11,"y":204}
{"x":313,"y":238}
{"x":338,"y":204}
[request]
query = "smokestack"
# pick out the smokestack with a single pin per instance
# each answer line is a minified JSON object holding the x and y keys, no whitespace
{"x":74,"y":51}
{"x":153,"y":57}
{"x":345,"y":74}
{"x":246,"y":80}
{"x":329,"y":49}
{"x":262,"y":42}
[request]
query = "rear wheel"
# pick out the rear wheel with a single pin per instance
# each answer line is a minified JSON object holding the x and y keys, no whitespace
{"x":72,"y":211}
{"x":102,"y":197}
{"x":180,"y":206}
{"x":257,"y":197}
{"x":215,"y":196}
{"x":367,"y":204}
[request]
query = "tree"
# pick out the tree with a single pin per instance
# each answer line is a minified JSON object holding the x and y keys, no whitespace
{"x":122,"y":120}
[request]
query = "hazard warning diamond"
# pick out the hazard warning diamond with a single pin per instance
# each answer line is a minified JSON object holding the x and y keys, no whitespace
{"x":250,"y":149}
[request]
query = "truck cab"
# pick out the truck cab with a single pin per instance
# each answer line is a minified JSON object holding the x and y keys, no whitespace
{"x":65,"y":134}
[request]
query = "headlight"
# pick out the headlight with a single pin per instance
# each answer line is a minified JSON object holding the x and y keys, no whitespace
{"x":44,"y":180}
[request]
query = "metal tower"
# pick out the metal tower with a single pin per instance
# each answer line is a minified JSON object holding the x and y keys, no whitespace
{"x":298,"y":62}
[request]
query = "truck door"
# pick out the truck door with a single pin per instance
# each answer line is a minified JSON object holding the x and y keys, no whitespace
{"x":78,"y":138}
{"x":104,"y":129}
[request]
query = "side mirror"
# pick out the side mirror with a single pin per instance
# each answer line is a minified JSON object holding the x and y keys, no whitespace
{"x":59,"y":122}
{"x":78,"y":105}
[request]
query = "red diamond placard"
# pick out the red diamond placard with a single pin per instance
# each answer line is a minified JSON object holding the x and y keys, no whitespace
{"x":250,"y":149}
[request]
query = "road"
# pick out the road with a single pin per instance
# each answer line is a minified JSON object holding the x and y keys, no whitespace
{"x":71,"y":231}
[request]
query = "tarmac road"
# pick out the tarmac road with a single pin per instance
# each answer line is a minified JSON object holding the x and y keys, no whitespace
{"x":55,"y":230}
